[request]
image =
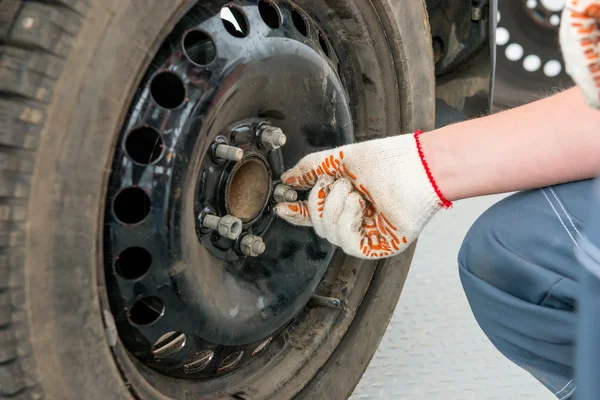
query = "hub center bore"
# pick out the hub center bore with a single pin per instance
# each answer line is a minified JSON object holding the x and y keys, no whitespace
{"x":248,"y":189}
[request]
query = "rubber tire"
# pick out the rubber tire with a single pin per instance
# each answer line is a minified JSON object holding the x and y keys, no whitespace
{"x":62,"y":101}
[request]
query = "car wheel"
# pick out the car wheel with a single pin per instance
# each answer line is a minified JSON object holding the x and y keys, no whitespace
{"x":141,"y":145}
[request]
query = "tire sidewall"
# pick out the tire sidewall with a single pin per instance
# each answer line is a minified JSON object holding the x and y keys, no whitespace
{"x":112,"y":50}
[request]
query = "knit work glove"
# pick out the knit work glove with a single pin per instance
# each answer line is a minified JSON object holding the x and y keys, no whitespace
{"x":372,"y":199}
{"x":580,"y":44}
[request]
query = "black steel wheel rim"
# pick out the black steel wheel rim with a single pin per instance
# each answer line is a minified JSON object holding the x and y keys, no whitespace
{"x":186,"y":302}
{"x":529,"y":57}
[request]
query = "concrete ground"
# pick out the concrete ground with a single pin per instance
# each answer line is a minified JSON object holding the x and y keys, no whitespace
{"x":433,"y":348}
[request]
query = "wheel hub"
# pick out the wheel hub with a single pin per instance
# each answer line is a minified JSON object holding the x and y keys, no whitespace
{"x":202,"y":140}
{"x":248,"y":189}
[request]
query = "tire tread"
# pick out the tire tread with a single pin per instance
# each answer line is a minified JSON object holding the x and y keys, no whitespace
{"x":35,"y":38}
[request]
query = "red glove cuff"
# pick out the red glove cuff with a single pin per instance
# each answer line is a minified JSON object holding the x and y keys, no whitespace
{"x":444,"y":202}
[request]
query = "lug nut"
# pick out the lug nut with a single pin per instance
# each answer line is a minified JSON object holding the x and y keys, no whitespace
{"x":272,"y":137}
{"x":252,"y":246}
{"x":231,"y":153}
{"x":228,"y":226}
{"x":284,"y":193}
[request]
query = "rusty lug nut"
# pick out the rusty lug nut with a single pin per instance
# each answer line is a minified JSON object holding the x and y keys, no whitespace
{"x":284,"y":193}
{"x":252,"y":246}
{"x":231,"y":153}
{"x":228,"y":226}
{"x":272,"y":137}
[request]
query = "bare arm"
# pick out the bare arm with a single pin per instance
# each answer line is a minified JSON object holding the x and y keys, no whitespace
{"x":547,"y":142}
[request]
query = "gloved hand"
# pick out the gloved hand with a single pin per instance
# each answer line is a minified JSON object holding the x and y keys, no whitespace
{"x":580,"y":45}
{"x":372,"y":199}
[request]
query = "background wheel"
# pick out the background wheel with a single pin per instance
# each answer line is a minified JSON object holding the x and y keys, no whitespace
{"x":112,"y":285}
{"x":529,"y":63}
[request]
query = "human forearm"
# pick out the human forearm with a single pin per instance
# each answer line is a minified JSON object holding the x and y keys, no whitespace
{"x":551,"y":141}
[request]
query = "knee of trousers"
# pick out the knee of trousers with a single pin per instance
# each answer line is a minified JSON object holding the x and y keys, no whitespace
{"x":519,"y":296}
{"x":486,"y":254}
{"x":519,"y":248}
{"x":482,"y":269}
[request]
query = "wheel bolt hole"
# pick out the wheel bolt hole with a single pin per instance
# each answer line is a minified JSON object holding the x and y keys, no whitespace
{"x":131,"y":205}
{"x":299,"y":22}
{"x":234,"y":21}
{"x":168,"y":90}
{"x":146,"y":311}
{"x":144,"y":145}
{"x":199,"y":47}
{"x":269,"y":14}
{"x":323,"y":43}
{"x":169,"y":344}
{"x":133,"y":263}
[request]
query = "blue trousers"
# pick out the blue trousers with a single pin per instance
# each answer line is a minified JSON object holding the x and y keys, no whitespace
{"x":530,"y":269}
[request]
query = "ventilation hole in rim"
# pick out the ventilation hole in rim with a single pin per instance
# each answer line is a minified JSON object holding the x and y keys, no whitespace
{"x":131,"y":205}
{"x":133,"y":263}
{"x":234,"y":21}
{"x":323,"y":43}
{"x":169,"y":344}
{"x":531,"y":4}
{"x":554,"y":5}
{"x":552,"y":68}
{"x":146,"y":311}
{"x":502,"y":36}
{"x":269,"y":14}
{"x":555,"y":20}
{"x":144,"y":145}
{"x":230,"y":361}
{"x":199,"y":361}
{"x":299,"y":22}
{"x":514,"y":52}
{"x":168,"y":90}
{"x":261,"y":347}
{"x":199,"y":47}
{"x":532,"y":63}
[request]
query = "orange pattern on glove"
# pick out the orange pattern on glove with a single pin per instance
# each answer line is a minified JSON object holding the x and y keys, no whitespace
{"x":380,"y":238}
{"x":580,"y":44}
